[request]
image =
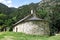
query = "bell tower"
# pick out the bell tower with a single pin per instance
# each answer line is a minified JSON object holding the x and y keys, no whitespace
{"x":33,"y":13}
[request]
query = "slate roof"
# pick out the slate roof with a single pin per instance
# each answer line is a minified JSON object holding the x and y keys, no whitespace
{"x":30,"y":17}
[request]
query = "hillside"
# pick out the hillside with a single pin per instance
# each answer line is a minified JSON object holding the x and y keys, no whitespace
{"x":10,"y":15}
{"x":52,"y":8}
{"x":46,"y":9}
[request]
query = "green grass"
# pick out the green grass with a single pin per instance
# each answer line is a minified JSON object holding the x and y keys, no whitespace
{"x":22,"y":36}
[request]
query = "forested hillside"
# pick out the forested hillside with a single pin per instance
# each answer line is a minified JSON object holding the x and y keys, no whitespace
{"x":46,"y":9}
{"x":9,"y":16}
{"x":52,"y":8}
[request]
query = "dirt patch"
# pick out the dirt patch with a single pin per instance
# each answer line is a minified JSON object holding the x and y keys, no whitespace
{"x":1,"y":33}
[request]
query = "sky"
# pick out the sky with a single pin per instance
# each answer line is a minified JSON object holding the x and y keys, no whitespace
{"x":17,"y":3}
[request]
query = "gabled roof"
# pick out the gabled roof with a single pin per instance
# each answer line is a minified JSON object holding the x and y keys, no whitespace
{"x":30,"y":17}
{"x":22,"y":19}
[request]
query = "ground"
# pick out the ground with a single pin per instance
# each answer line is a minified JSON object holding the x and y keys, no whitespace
{"x":22,"y":36}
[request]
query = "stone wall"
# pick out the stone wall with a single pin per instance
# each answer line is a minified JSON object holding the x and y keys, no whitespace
{"x":33,"y":27}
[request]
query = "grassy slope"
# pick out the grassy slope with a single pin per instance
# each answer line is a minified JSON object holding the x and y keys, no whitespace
{"x":21,"y":36}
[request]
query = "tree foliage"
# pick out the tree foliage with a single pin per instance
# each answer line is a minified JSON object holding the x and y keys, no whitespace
{"x":9,"y":16}
{"x":46,"y":9}
{"x":53,"y":11}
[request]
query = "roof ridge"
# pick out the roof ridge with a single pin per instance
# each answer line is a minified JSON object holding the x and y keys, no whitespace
{"x":34,"y":17}
{"x":23,"y":19}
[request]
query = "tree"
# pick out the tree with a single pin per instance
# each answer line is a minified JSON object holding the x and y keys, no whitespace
{"x":53,"y":11}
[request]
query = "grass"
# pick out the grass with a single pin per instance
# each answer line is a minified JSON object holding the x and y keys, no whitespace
{"x":22,"y":36}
